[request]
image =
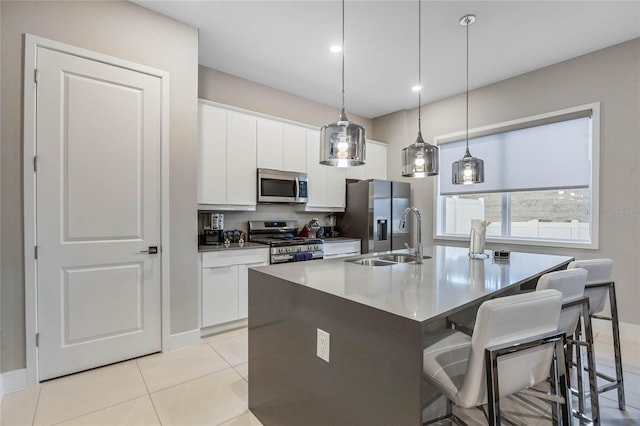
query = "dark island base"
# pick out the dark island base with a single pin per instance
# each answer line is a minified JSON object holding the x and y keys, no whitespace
{"x":370,"y":351}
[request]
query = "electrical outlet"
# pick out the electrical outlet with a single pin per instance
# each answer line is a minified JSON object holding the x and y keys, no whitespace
{"x":323,"y":345}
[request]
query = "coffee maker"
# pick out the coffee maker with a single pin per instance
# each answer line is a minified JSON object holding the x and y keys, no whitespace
{"x":212,"y":225}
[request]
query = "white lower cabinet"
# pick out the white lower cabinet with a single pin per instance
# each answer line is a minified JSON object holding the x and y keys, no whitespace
{"x":335,"y":249}
{"x":220,"y":295}
{"x":225,"y":282}
{"x":243,"y":288}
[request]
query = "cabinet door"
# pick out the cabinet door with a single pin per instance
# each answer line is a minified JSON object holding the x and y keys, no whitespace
{"x":358,"y":172}
{"x":269,"y":144}
{"x":212,"y":158}
{"x":336,"y":187}
{"x":294,"y":153}
{"x":219,"y":295}
{"x":241,"y":159}
{"x":376,"y":161}
{"x":317,"y":172}
{"x":243,"y":288}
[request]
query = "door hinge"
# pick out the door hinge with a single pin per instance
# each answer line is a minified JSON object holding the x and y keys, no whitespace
{"x":35,"y":163}
{"x":37,"y":339}
{"x":35,"y":251}
{"x":35,"y":76}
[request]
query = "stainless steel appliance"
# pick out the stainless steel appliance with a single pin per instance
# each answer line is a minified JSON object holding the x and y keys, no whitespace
{"x":373,"y":213}
{"x":276,"y":186}
{"x":211,"y":228}
{"x":285,"y":246}
{"x":217,"y":221}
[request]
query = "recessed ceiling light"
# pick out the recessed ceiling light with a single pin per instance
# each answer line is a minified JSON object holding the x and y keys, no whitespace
{"x":416,"y":88}
{"x":336,"y":48}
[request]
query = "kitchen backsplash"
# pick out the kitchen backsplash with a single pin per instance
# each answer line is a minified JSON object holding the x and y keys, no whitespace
{"x":240,"y":220}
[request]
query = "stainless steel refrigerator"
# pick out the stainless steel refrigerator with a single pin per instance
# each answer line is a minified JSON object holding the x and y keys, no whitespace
{"x":373,"y":212}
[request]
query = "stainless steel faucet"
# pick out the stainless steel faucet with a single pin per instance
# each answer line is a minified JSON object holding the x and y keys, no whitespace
{"x":417,"y":250}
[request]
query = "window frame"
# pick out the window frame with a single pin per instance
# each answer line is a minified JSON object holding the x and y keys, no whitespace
{"x":531,"y":121}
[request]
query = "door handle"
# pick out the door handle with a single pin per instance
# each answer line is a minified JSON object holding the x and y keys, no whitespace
{"x":152,"y":250}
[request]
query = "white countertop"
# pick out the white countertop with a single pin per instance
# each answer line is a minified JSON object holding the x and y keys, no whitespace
{"x":446,"y":283}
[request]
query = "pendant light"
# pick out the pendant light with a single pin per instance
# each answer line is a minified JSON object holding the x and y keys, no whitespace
{"x":468,"y":169}
{"x":342,"y":144}
{"x":420,"y":159}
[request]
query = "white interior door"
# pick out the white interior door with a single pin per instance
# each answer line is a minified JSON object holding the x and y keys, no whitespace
{"x":97,"y":209}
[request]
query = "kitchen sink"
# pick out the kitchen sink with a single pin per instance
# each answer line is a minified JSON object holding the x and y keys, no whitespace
{"x":372,"y":261}
{"x":386,"y":260}
{"x":398,"y":258}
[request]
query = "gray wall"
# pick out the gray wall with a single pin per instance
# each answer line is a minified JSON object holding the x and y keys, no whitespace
{"x":227,"y":89}
{"x":127,"y":31}
{"x":610,"y":76}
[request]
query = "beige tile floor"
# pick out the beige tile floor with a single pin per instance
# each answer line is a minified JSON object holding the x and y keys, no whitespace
{"x":208,"y":385}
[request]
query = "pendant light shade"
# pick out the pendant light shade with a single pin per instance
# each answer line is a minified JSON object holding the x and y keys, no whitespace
{"x":420,"y":159}
{"x":342,"y":144}
{"x":468,"y":169}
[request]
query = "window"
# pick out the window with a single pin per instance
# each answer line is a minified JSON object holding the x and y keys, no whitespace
{"x":540,"y":185}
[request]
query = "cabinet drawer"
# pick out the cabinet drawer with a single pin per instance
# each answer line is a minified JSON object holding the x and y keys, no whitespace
{"x":235,"y":257}
{"x":341,"y":247}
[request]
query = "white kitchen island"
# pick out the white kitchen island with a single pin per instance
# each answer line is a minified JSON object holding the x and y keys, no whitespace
{"x":377,"y":317}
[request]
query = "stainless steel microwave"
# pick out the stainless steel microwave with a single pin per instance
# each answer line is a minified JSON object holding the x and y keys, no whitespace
{"x":276,"y":186}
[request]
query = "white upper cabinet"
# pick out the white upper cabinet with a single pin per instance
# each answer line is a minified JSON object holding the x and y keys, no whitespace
{"x":376,"y":160}
{"x":294,"y":154}
{"x":281,"y":146}
{"x":241,"y":159}
{"x":227,"y":161}
{"x":234,"y":144}
{"x":376,"y":163}
{"x":212,"y":164}
{"x":270,"y":144}
{"x":326,"y":184}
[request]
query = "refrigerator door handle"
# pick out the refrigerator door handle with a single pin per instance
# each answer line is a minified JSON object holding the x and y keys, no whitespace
{"x":382,"y":229}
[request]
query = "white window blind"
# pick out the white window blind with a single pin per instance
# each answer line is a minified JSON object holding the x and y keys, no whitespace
{"x":547,"y":156}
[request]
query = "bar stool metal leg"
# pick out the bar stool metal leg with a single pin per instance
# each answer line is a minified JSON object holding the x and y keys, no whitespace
{"x":591,"y":364}
{"x":578,"y":351}
{"x":616,"y":345}
{"x":618,"y":381}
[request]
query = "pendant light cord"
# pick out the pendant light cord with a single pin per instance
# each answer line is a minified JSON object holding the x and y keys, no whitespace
{"x":468,"y":20}
{"x":342,"y":55}
{"x":419,"y":63}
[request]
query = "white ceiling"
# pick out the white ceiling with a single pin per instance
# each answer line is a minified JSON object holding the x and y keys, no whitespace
{"x":285,"y":44}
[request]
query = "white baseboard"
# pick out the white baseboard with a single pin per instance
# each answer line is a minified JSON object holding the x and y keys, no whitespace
{"x":220,"y":328}
{"x":184,"y":340}
{"x":14,"y":380}
{"x":627,"y":330}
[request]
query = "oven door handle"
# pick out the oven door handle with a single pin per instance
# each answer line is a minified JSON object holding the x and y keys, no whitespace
{"x":297,"y":188}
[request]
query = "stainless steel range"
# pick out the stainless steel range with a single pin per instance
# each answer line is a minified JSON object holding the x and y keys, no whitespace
{"x":280,"y":235}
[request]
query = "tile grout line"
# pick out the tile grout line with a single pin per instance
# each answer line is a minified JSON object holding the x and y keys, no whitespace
{"x":232,"y":418}
{"x":96,"y":411}
{"x":155,"y":410}
{"x":229,"y":367}
{"x":35,"y":410}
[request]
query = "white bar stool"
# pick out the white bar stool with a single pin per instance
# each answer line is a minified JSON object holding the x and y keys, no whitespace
{"x":515,"y":344}
{"x":571,"y":283}
{"x":599,"y":285}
